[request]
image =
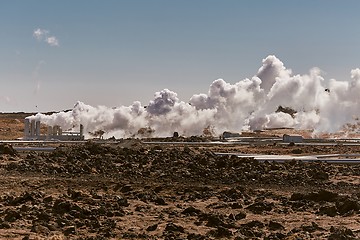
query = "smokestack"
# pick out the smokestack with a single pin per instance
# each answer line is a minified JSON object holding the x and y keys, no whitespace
{"x":81,"y":130}
{"x":37,"y":128}
{"x":49,"y":131}
{"x":32,"y":128}
{"x":26,"y":128}
{"x":55,"y":130}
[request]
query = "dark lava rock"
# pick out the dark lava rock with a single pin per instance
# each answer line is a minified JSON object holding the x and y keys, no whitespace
{"x":158,"y":189}
{"x":126,"y":188}
{"x":40,"y":229}
{"x":311,"y":228}
{"x":191,"y":211}
{"x":297,"y":151}
{"x":43,"y":216}
{"x":231,"y":194}
{"x":322,"y":195}
{"x":221,"y":232}
{"x":25,"y":197}
{"x":69,"y":230}
{"x":236,"y":205}
{"x":297,"y":197}
{"x":341,"y":233}
{"x":240,"y":215}
{"x":27,"y":237}
{"x":260,"y":207}
{"x":275,"y":226}
{"x":212,"y":220}
{"x":5,"y":225}
{"x":48,"y":199}
{"x":176,"y":176}
{"x":347,"y":206}
{"x":246,"y":232}
{"x":319,"y":175}
{"x":7,"y":149}
{"x":275,"y":236}
{"x":253,"y":224}
{"x":75,"y":195}
{"x":122,"y":201}
{"x":152,"y":227}
{"x":194,"y":236}
{"x":62,"y":207}
{"x":171,"y":227}
{"x":12,"y":215}
{"x":330,"y":211}
{"x":130,"y":235}
{"x":159,"y":201}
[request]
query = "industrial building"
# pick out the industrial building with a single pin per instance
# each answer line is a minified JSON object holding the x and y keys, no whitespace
{"x":230,"y":135}
{"x":32,"y":132}
{"x":292,"y":138}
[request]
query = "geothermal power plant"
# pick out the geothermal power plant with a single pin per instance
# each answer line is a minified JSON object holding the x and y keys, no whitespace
{"x":273,"y":98}
{"x":32,"y":131}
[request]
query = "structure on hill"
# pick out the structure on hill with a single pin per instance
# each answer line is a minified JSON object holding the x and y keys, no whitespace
{"x":32,"y":132}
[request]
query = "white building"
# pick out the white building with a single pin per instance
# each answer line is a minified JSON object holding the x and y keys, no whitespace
{"x":32,"y":131}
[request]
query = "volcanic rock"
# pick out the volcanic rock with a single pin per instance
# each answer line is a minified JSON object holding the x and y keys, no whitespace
{"x":221,"y":232}
{"x":275,"y":226}
{"x":69,"y":230}
{"x":240,"y":215}
{"x":347,"y":206}
{"x":7,"y":149}
{"x":171,"y":227}
{"x":152,"y":227}
{"x":191,"y":211}
{"x":330,"y":210}
{"x":341,"y":233}
{"x":260,"y":207}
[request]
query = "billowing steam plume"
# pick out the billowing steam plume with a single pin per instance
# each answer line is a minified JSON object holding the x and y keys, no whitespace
{"x":322,"y":105}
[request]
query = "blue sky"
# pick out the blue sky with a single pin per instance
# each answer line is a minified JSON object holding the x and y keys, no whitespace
{"x":115,"y":52}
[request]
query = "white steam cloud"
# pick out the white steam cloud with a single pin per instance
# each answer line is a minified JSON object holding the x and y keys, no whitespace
{"x":319,"y":104}
{"x":44,"y":36}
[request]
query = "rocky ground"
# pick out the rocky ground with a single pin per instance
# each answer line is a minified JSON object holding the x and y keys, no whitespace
{"x":130,"y":190}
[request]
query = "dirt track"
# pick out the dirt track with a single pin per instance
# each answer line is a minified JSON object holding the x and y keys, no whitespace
{"x":133,"y":191}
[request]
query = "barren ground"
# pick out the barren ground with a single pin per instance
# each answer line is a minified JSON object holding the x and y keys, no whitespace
{"x":130,"y":190}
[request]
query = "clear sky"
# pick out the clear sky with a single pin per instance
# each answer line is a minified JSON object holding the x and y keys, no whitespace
{"x":114,"y":52}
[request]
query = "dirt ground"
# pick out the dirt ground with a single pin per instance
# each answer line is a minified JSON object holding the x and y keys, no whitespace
{"x":131,"y":190}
